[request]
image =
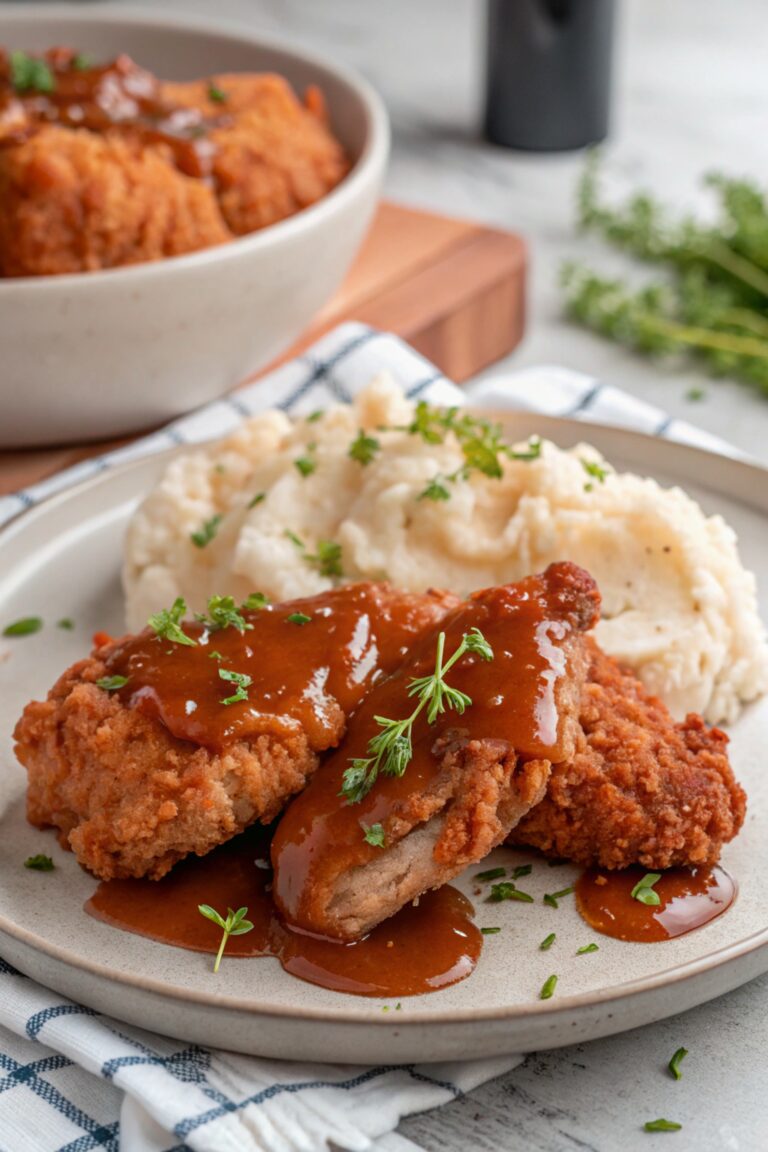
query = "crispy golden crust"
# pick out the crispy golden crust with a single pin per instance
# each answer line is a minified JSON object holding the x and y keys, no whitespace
{"x":131,"y":800}
{"x":640,"y":788}
{"x":72,"y":201}
{"x":75,"y":201}
{"x":275,"y":157}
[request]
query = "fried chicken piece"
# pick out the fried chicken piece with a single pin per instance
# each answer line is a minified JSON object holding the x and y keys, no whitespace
{"x":74,"y":201}
{"x":273,"y":155}
{"x":131,"y":796}
{"x":343,"y":864}
{"x":640,"y":789}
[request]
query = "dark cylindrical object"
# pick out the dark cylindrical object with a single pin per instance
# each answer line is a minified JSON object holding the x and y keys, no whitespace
{"x":549,"y":73}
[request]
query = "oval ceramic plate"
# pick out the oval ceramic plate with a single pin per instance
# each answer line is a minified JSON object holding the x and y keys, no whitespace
{"x":63,"y":559}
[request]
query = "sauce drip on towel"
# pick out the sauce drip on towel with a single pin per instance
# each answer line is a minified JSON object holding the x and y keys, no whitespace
{"x":303,"y":669}
{"x":690,"y":897}
{"x":419,"y":950}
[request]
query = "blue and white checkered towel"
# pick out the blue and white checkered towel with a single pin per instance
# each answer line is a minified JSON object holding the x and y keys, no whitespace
{"x":72,"y":1080}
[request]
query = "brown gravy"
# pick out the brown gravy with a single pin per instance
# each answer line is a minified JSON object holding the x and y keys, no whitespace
{"x":116,"y":97}
{"x":419,"y":950}
{"x":300,"y":672}
{"x":690,"y":897}
{"x":514,"y":697}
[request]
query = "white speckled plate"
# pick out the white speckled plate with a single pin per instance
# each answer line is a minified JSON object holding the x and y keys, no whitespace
{"x":63,"y":559}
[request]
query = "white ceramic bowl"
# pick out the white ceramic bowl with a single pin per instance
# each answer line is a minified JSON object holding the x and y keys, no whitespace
{"x":106,"y":353}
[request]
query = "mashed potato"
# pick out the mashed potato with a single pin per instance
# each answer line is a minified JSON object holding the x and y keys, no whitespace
{"x":281,"y":507}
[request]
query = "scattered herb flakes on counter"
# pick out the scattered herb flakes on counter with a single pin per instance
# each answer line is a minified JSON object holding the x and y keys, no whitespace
{"x":674,"y":1064}
{"x":39,"y":863}
{"x":490,"y":931}
{"x":491,"y":874}
{"x":587,"y":948}
{"x":66,"y":624}
{"x":547,"y":942}
{"x":661,"y":1125}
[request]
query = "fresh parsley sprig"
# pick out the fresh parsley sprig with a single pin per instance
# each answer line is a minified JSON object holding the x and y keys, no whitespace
{"x":391,"y":749}
{"x":327,"y":558}
{"x":644,"y":890}
{"x":363,"y":448}
{"x":31,"y":74}
{"x":167,"y":624}
{"x":235,"y":924}
{"x":242,"y":682}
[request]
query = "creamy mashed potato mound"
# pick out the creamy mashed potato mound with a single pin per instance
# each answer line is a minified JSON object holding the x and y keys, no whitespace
{"x":678,"y":606}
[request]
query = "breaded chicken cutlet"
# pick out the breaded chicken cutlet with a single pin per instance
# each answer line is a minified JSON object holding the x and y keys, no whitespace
{"x":471,"y":776}
{"x":102,"y":167}
{"x":181,"y":756}
{"x":639,"y":789}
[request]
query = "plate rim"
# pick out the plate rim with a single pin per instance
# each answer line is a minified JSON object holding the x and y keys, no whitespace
{"x":732,"y":476}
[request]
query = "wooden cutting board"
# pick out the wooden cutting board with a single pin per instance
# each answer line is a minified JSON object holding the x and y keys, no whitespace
{"x":453,"y":289}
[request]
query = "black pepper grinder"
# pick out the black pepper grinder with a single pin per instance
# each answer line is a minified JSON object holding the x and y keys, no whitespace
{"x":549,"y":73}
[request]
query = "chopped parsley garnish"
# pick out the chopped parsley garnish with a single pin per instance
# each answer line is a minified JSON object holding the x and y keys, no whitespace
{"x":215,"y":656}
{"x":257,"y":499}
{"x":507,"y":891}
{"x":306,"y":465}
{"x":595,"y":470}
{"x":242,"y":682}
{"x":548,"y":988}
{"x":436,"y":489}
{"x":552,"y":898}
{"x":315,"y":416}
{"x":643,"y":890}
{"x":490,"y":931}
{"x":24,"y":627}
{"x":30,"y":74}
{"x":587,"y":948}
{"x":167,"y":624}
{"x":299,"y":618}
{"x":363,"y":448}
{"x":216,"y":94}
{"x":674,"y":1064}
{"x":390,"y":750}
{"x":373,"y":835}
{"x":255,"y":602}
{"x":233,"y":925}
{"x":547,"y":942}
{"x":81,"y":62}
{"x":491,"y":874}
{"x":661,"y":1125}
{"x":522,"y":870}
{"x":206,"y":532}
{"x":224,"y":613}
{"x":327,"y":558}
{"x":39,"y":863}
{"x":695,"y":394}
{"x":65,"y":623}
{"x":112,"y":683}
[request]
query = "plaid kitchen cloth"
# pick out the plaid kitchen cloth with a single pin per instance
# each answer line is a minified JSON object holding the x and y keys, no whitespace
{"x":72,"y":1080}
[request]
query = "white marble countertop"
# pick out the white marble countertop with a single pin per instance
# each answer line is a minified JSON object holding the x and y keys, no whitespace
{"x":691,"y":95}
